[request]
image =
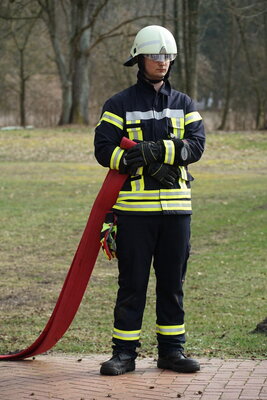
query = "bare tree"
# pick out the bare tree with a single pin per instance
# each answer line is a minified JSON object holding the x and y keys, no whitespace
{"x":254,"y":60}
{"x":190,"y":10}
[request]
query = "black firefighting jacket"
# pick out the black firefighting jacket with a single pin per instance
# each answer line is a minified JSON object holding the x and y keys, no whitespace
{"x":141,"y":113}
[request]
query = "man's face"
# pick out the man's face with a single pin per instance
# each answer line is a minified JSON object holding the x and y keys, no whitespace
{"x":155,"y":70}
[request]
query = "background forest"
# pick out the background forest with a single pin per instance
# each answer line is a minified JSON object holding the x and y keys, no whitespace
{"x":60,"y":60}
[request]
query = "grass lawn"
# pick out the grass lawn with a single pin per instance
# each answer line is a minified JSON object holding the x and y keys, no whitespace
{"x":49,"y":180}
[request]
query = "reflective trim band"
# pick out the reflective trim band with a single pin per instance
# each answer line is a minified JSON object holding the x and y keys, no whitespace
{"x":154,"y":194}
{"x":148,"y":43}
{"x":135,"y":132}
{"x":126,"y":335}
{"x":192,"y":117}
{"x":152,"y":114}
{"x":169,"y":152}
{"x":178,"y":127}
{"x":170,"y":329}
{"x":183,"y":173}
{"x":116,"y":157}
{"x":171,"y":205}
{"x":138,"y":185}
{"x":112,"y":119}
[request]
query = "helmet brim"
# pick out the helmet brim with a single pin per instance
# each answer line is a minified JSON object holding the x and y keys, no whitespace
{"x":130,"y":62}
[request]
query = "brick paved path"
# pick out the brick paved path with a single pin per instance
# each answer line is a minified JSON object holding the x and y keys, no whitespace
{"x":71,"y":378}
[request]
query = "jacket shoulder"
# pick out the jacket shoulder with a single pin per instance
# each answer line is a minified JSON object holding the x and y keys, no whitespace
{"x":118,"y":100}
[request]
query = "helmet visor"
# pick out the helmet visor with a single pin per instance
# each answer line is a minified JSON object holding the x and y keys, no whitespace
{"x":161,"y":57}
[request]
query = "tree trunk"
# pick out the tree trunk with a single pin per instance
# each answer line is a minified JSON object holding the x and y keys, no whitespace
{"x":259,"y":120}
{"x":178,"y":65}
{"x":80,"y":77}
{"x":190,"y":44}
{"x":163,"y":19}
{"x":66,"y":95}
{"x":228,"y":85}
{"x":22,"y":89}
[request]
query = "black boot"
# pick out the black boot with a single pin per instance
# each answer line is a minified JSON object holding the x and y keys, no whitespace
{"x":118,"y":364}
{"x":178,"y":362}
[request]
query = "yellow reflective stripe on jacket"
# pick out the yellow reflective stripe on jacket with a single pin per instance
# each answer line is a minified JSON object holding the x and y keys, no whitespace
{"x":155,"y":194}
{"x":112,"y":119}
{"x":183,"y":173}
{"x":126,"y":335}
{"x":116,"y":157}
{"x":170,"y":329}
{"x":161,"y":205}
{"x":192,"y":117}
{"x":169,"y":152}
{"x":178,"y":127}
{"x":138,"y":185}
{"x":134,"y":133}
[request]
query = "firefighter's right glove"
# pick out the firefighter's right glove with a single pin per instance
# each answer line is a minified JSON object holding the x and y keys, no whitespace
{"x":143,"y":154}
{"x":166,"y":174}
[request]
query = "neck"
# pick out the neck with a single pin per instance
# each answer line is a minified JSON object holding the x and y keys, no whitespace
{"x":157,"y":85}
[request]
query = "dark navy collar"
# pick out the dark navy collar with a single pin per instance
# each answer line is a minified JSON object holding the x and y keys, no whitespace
{"x":165,"y":88}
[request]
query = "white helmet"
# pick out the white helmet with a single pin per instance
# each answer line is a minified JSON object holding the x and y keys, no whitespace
{"x":152,"y":40}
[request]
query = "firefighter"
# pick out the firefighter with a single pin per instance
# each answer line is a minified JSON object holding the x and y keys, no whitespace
{"x":153,"y":208}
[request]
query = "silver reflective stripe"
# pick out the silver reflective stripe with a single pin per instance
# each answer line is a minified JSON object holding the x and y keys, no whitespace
{"x":161,"y":205}
{"x":138,"y":206}
{"x":155,"y":195}
{"x":178,"y":193}
{"x":193,"y":116}
{"x":126,"y":335}
{"x":107,"y":116}
{"x":148,"y":43}
{"x":176,"y":204}
{"x":170,"y":330}
{"x":117,"y":156}
{"x":167,"y":112}
{"x":135,"y":132}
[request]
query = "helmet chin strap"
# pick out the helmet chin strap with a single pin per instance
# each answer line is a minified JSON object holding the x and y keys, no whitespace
{"x":141,"y":66}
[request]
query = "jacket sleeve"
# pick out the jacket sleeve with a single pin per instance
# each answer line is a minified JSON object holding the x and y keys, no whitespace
{"x":194,"y":134}
{"x":108,"y":135}
{"x":193,"y":137}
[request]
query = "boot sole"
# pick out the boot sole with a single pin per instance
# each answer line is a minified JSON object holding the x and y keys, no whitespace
{"x":107,"y":370}
{"x":178,"y":368}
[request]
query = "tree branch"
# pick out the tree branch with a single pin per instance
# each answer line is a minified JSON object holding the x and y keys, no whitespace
{"x":110,"y":33}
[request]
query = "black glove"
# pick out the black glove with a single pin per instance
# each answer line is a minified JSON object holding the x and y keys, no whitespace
{"x":143,"y":153}
{"x":182,"y":151}
{"x":124,"y":168}
{"x":164,"y":173}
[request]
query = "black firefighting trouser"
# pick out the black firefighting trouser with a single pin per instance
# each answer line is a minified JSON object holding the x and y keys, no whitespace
{"x":165,"y":239}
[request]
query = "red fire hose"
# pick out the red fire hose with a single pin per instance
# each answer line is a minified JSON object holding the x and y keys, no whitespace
{"x":80,"y":270}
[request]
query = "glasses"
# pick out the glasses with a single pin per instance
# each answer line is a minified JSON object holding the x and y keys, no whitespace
{"x":161,"y":57}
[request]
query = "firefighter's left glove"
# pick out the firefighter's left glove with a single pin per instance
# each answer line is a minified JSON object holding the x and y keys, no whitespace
{"x":143,"y":154}
{"x":166,"y":174}
{"x":108,"y":235}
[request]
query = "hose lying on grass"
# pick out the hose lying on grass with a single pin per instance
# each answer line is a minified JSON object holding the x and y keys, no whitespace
{"x":80,"y":270}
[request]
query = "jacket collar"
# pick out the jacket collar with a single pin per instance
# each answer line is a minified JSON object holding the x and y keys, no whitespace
{"x":165,"y":88}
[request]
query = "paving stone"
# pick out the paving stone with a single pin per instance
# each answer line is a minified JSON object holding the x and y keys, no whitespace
{"x":61,"y":377}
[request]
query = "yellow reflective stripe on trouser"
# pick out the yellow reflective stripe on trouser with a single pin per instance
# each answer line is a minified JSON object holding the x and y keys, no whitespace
{"x":192,"y":117}
{"x":116,"y":157}
{"x":112,"y":119}
{"x":170,"y":329}
{"x":169,"y":152}
{"x":126,"y":335}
